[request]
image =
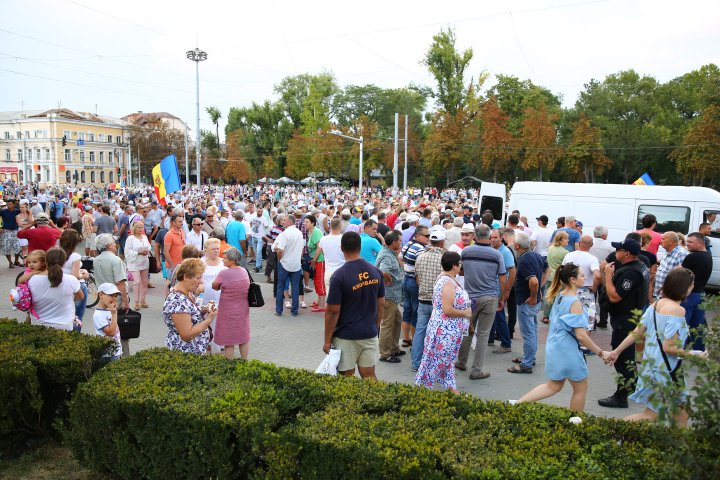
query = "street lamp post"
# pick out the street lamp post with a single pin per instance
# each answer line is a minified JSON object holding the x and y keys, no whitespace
{"x":360,"y":141}
{"x":197,"y":56}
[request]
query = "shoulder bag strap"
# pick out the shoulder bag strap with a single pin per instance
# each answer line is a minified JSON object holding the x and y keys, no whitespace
{"x":662,"y":350}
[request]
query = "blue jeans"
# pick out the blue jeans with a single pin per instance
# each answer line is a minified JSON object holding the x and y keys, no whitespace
{"x":287,"y":280}
{"x":527,"y":318}
{"x":257,"y":244}
{"x":500,"y":327}
{"x":81,"y":304}
{"x":423,"y":317}
{"x":695,"y":317}
{"x":410,"y":303}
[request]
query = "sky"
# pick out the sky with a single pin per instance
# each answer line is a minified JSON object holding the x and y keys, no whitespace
{"x":117,"y":58}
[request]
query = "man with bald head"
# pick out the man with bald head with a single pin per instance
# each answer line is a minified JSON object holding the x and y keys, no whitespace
{"x":591,"y":267}
{"x":675,"y":256}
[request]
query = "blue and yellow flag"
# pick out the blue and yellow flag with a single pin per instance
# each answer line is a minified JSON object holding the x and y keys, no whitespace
{"x":644,"y":180}
{"x":166,"y":178}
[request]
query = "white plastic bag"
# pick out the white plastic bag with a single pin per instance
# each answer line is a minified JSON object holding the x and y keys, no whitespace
{"x":329,"y":364}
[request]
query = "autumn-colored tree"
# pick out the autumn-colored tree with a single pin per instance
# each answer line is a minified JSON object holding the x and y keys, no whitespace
{"x":538,"y":137}
{"x":498,"y":143}
{"x":237,"y":167}
{"x":586,"y":155}
{"x":699,"y":155}
{"x":154,"y":141}
{"x":314,"y":152}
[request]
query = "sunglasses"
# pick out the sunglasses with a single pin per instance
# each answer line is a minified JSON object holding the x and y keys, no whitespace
{"x":197,"y":224}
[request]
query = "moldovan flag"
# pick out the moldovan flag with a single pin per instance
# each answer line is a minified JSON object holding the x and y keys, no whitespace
{"x":166,"y":178}
{"x":643,"y":180}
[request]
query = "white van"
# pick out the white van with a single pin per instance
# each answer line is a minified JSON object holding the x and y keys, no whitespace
{"x":620,"y":208}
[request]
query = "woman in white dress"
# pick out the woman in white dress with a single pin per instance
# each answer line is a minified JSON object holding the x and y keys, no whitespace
{"x":137,"y":249}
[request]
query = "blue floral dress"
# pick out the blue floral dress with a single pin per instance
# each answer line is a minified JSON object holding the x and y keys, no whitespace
{"x":177,"y":302}
{"x":564,"y":360}
{"x":655,"y":370}
{"x":442,"y":339}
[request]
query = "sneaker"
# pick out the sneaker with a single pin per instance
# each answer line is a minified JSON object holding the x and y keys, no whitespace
{"x":613,"y":401}
{"x":390,"y":359}
{"x":502,"y":350}
{"x":308,"y":289}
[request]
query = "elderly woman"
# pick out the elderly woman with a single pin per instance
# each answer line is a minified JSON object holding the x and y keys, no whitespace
{"x":448,"y":323}
{"x":53,"y":292}
{"x":213,"y":266}
{"x":188,"y":324}
{"x":556,"y":254}
{"x":219,"y":233}
{"x":233,"y":320}
{"x":137,"y":251}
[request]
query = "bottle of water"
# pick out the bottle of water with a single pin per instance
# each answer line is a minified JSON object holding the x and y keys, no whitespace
{"x":199,"y":299}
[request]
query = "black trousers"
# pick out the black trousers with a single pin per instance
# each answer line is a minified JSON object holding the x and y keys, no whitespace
{"x":625,"y":364}
{"x":512,"y":312}
{"x":603,"y":304}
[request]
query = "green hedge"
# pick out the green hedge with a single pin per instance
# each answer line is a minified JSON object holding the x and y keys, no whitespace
{"x":40,"y":368}
{"x":163,"y":414}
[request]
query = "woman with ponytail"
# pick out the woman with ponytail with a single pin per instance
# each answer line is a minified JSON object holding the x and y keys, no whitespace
{"x":54,"y":292}
{"x":568,"y":331}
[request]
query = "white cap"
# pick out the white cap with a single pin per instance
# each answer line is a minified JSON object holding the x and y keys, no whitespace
{"x":108,"y":289}
{"x":467,"y":228}
{"x":345,"y":211}
{"x":413,"y":218}
{"x":437,"y":235}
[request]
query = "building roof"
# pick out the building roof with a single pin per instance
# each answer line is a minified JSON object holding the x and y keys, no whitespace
{"x":61,"y":113}
{"x":142,"y":118}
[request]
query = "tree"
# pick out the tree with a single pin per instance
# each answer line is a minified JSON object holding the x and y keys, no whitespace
{"x":315,"y":152}
{"x":294,"y":92}
{"x":237,"y":168}
{"x":448,"y":65}
{"x":498,"y":142}
{"x":154,"y":141}
{"x":586,"y":155}
{"x":515,"y":96}
{"x":539,"y":140}
{"x":215,"y":117}
{"x":699,"y":155}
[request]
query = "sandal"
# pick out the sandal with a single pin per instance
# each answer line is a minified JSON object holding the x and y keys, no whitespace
{"x":519,"y":369}
{"x":137,"y":306}
{"x":407,"y":343}
{"x":287,"y":304}
{"x":519,"y":360}
{"x":303,"y":305}
{"x":545,"y":320}
{"x":317,"y":310}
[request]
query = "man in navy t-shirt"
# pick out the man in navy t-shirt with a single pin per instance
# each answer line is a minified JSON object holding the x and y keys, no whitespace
{"x":355,"y":307}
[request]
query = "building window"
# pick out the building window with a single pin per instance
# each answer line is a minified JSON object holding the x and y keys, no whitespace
{"x":92,"y":177}
{"x":91,"y":137}
{"x":110,"y":138}
{"x":18,"y":135}
{"x":102,"y":177}
{"x":67,"y":154}
{"x":66,"y":134}
{"x":7,"y":135}
{"x":92,"y":156}
{"x":37,"y":154}
{"x":8,"y":155}
{"x":669,"y":218}
{"x":19,"y":154}
{"x":102,"y":137}
{"x":27,"y":134}
{"x":47,"y":154}
{"x":82,"y":157}
{"x":68,"y":177}
{"x":111,"y":177}
{"x":82,"y":176}
{"x":102,"y":157}
{"x":28,"y":154}
{"x":81,"y":135}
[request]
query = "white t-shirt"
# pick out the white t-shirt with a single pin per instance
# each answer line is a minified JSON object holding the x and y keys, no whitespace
{"x":103,"y":318}
{"x":67,"y":268}
{"x":54,"y":306}
{"x":209,"y":275}
{"x":541,"y":236}
{"x":584,"y":260}
{"x":291,"y":242}
{"x":334,"y":257}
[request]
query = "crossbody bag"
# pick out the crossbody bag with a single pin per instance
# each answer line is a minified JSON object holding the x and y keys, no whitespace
{"x":672,"y":371}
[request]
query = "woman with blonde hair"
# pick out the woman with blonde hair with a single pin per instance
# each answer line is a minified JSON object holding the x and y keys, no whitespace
{"x":137,"y":251}
{"x":556,"y":254}
{"x":568,"y":330}
{"x":188,"y":324}
{"x":213,"y":266}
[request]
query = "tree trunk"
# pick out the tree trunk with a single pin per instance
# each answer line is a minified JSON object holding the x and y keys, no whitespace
{"x":540,"y":170}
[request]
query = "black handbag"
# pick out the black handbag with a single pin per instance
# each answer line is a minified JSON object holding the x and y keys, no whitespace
{"x":153,"y":266}
{"x":129,"y":323}
{"x":255,"y":297}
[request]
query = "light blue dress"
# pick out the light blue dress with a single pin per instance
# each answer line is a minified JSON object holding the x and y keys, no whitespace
{"x":655,"y":370}
{"x":564,"y":360}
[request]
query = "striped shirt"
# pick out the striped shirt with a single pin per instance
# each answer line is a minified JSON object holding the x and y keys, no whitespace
{"x":410,"y":253}
{"x":671,"y":260}
{"x":427,"y":270}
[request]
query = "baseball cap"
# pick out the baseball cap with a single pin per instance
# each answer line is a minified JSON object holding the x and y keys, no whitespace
{"x":467,"y":228}
{"x":412,"y":218}
{"x":357,"y":210}
{"x":543,"y":218}
{"x":88,"y":207}
{"x":300,"y":204}
{"x":2,"y":203}
{"x":345,"y":211}
{"x":437,"y":235}
{"x":42,"y":217}
{"x":108,"y":289}
{"x":629,"y":245}
{"x":578,"y":223}
{"x":34,"y":200}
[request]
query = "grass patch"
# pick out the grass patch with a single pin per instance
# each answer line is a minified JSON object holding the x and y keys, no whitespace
{"x":51,"y":462}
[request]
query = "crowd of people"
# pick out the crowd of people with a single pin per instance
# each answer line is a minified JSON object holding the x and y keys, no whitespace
{"x":425,"y":273}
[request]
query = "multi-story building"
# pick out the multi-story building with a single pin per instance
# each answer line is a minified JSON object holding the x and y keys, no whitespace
{"x":141,"y":119}
{"x":60,"y":146}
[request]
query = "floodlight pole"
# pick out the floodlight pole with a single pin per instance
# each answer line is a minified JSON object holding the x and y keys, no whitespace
{"x":197,"y":56}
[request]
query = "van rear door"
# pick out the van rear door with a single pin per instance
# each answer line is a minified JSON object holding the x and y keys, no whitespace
{"x":492,"y":197}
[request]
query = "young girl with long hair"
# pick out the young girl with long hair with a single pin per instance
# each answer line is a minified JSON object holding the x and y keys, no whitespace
{"x":568,"y":331}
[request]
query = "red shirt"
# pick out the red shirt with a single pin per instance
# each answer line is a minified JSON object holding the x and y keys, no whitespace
{"x":42,"y":237}
{"x":654,"y":244}
{"x":391,"y":219}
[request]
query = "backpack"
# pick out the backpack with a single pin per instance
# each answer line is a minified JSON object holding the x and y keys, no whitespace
{"x":21,"y":298}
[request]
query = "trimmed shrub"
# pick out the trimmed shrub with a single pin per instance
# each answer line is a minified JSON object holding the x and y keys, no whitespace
{"x":163,"y":414}
{"x":40,"y":368}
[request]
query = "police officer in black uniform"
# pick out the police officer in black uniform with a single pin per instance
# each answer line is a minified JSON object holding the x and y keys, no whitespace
{"x":626,"y":283}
